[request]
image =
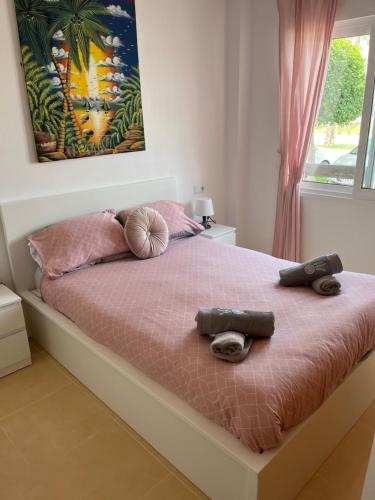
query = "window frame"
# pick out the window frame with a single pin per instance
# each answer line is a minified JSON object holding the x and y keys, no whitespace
{"x":344,"y":29}
{"x":359,"y":191}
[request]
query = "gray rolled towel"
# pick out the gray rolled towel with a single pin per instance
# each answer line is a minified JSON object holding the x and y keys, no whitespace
{"x":309,"y":271}
{"x":326,"y":285}
{"x":217,"y":320}
{"x":231,"y":346}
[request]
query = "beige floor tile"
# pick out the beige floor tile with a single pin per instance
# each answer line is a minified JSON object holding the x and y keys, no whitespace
{"x":315,"y":489}
{"x":131,"y":475}
{"x":11,"y":467}
{"x":345,"y":468}
{"x":320,"y":489}
{"x":107,"y":466}
{"x":35,"y":347}
{"x":172,"y":489}
{"x":30,"y":384}
{"x":368,"y":418}
{"x":183,"y":479}
{"x":53,"y":426}
{"x":18,"y":481}
{"x":342,"y":475}
{"x":189,"y":485}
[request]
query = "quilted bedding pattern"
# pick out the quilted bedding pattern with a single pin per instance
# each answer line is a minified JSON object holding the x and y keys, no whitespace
{"x":144,"y":311}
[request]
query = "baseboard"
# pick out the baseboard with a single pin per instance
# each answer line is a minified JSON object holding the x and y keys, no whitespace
{"x":14,"y":367}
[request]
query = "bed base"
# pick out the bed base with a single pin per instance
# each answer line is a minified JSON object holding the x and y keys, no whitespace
{"x":225,"y":469}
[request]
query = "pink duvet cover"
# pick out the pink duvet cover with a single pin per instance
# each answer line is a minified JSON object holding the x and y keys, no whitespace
{"x":144,"y":311}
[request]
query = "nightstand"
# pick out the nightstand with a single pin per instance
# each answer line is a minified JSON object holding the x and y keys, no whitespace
{"x":225,"y":234}
{"x":14,"y":344}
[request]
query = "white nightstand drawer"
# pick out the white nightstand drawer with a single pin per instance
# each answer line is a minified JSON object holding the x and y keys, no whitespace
{"x":14,"y":349}
{"x":218,"y":232}
{"x":11,"y":319}
{"x":229,"y":238}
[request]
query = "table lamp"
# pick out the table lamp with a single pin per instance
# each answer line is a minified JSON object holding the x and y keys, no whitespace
{"x":205,"y":208}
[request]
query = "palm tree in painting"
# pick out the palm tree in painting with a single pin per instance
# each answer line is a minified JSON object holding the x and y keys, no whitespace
{"x":38,"y":21}
{"x":32,"y":19}
{"x":79,"y":22}
{"x":45,"y":105}
{"x":128,"y":120}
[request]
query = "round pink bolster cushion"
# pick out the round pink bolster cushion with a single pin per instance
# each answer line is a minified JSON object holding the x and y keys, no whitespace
{"x":146,"y":233}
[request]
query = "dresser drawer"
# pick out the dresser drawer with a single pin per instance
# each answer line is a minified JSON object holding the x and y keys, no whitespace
{"x":14,"y":349}
{"x":11,"y":319}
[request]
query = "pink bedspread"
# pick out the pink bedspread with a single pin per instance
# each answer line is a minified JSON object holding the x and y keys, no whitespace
{"x":144,"y":311}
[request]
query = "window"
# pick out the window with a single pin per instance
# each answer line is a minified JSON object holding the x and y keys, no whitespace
{"x":342,"y":149}
{"x":368,"y":181}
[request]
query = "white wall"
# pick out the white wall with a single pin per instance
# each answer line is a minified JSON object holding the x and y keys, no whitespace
{"x":181,"y":48}
{"x":349,"y":9}
{"x":329,"y":224}
{"x":256,"y":99}
{"x":238,"y":115}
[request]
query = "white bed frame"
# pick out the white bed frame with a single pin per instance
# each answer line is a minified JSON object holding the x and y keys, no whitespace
{"x":206,"y":453}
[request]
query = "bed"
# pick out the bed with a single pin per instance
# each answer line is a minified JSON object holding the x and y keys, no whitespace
{"x":226,"y":469}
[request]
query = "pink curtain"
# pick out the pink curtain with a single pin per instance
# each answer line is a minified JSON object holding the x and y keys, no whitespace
{"x":305,"y":34}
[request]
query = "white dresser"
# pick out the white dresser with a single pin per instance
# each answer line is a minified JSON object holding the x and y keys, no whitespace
{"x":14,"y":344}
{"x":225,"y":234}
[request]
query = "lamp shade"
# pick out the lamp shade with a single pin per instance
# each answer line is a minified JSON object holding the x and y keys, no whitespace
{"x":204,"y":207}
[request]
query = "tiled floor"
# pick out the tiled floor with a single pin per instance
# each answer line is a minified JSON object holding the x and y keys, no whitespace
{"x":58,"y":441}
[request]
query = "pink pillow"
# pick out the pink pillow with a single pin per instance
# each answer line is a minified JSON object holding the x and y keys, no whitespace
{"x":146,"y":233}
{"x":67,"y":245}
{"x":179,"y":224}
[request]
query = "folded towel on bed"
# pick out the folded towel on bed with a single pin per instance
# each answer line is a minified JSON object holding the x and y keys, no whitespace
{"x":217,"y":320}
{"x":231,"y":346}
{"x":309,"y":271}
{"x":326,"y":285}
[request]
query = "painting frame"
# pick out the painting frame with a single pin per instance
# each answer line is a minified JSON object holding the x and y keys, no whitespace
{"x":81,"y":67}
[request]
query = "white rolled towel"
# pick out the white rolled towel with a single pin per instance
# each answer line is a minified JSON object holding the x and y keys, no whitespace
{"x":326,"y":285}
{"x":231,"y":346}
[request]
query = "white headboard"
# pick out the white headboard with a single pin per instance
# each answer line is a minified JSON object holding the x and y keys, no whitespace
{"x":23,"y":217}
